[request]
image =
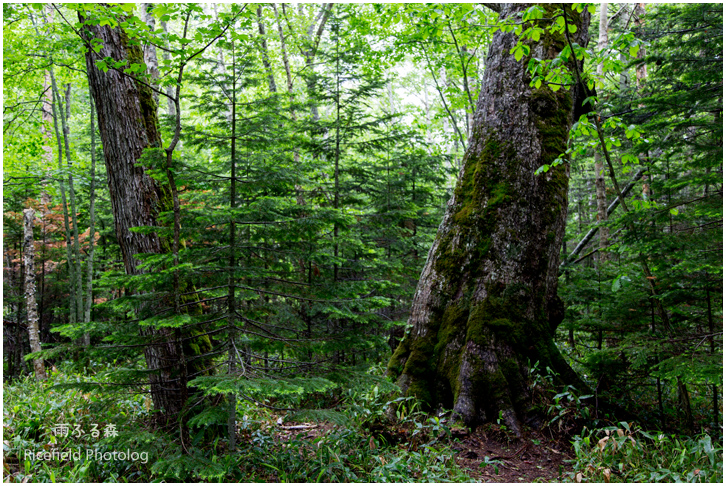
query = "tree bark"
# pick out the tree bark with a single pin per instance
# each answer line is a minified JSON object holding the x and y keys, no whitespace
{"x":283,"y":47}
{"x":264,"y":51}
{"x":31,"y":306}
{"x":91,"y":227}
{"x":641,"y":71}
{"x":486,"y":305}
{"x":310,"y":49}
{"x":170,"y":106}
{"x":128,"y":125}
{"x":602,"y":214}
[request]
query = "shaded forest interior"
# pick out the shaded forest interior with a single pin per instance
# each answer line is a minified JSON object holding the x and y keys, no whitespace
{"x":363,"y":242}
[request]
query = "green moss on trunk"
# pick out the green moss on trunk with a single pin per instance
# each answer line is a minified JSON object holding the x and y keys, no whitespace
{"x":486,"y":306}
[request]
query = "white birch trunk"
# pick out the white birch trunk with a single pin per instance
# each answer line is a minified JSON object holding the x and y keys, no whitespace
{"x":30,"y":302}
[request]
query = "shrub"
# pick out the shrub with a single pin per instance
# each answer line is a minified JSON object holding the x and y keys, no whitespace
{"x":623,"y":454}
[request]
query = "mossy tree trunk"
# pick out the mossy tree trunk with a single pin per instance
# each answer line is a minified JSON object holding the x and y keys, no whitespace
{"x":486,"y":306}
{"x":128,"y":125}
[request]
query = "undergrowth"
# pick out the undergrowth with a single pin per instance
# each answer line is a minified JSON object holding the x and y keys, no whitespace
{"x":624,"y":453}
{"x":358,"y":433}
{"x":369,"y":437}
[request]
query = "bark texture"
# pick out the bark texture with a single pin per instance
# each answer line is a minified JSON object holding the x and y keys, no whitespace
{"x":486,"y":305}
{"x":31,"y":305}
{"x":128,"y":125}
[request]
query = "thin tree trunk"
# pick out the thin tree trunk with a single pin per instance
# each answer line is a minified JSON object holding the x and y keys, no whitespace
{"x":660,"y":403}
{"x":685,"y":399}
{"x":170,"y":106}
{"x":443,"y":99}
{"x":31,"y":306}
{"x":288,"y":74}
{"x":461,"y":53}
{"x":283,"y":48}
{"x":74,"y":211}
{"x":602,"y":214}
{"x":231,"y":297}
{"x":336,"y":188}
{"x":641,"y":70}
{"x":309,"y":53}
{"x":92,"y":224}
{"x":66,"y":219}
{"x":712,"y":344}
{"x":265,"y":52}
{"x":624,"y":81}
{"x":150,"y":58}
{"x":76,"y":281}
{"x":486,"y":305}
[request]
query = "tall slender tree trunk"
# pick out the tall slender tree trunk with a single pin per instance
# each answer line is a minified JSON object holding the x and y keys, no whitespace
{"x":264,"y":51}
{"x":31,"y":306}
{"x":170,"y":107}
{"x":288,"y":73}
{"x":712,"y":344}
{"x":486,"y":305}
{"x":641,"y":70}
{"x":92,"y":225}
{"x":66,"y":218}
{"x":231,"y":297}
{"x":310,"y":50}
{"x":602,"y":214}
{"x":76,"y":282}
{"x":150,"y":58}
{"x":624,"y":81}
{"x":283,"y":48}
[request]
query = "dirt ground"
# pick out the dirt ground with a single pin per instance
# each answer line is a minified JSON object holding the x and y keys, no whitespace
{"x":534,"y":459}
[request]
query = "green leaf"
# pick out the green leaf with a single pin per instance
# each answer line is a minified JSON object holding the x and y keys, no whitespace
{"x":518,"y":53}
{"x":674,"y":211}
{"x":542,"y":169}
{"x":619,"y":281}
{"x":572,"y":28}
{"x":101,"y":64}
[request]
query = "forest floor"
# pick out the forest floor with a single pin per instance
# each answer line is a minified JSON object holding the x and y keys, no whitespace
{"x":489,"y":456}
{"x":486,"y":454}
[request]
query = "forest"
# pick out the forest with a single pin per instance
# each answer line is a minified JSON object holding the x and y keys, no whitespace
{"x":362,"y":242}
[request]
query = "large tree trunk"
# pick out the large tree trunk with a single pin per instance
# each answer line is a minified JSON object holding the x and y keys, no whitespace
{"x":128,"y":125}
{"x":486,"y":305}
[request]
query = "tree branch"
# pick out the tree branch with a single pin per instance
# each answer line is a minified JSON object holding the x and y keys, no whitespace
{"x":610,"y":209}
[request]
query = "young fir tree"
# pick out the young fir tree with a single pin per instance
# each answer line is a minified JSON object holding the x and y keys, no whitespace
{"x":674,"y":220}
